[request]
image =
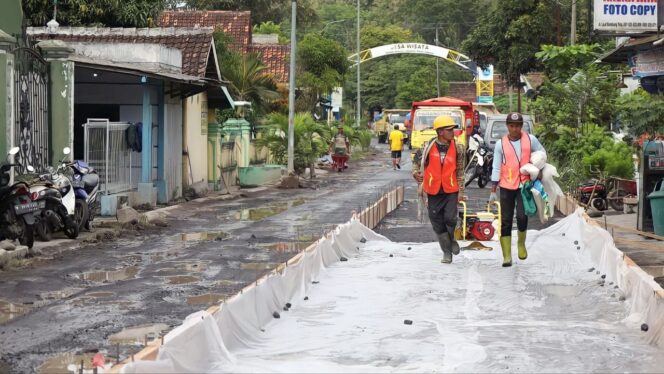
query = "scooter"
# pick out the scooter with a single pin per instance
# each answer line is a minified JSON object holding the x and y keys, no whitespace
{"x":18,"y":213}
{"x":475,"y":157}
{"x":86,"y":189}
{"x":56,"y":190}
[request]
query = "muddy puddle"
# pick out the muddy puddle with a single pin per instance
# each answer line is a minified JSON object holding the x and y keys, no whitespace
{"x":67,"y":363}
{"x":257,"y":214}
{"x":9,"y":311}
{"x":109,"y":276}
{"x":206,"y":299}
{"x":146,"y":258}
{"x":138,"y":335}
{"x":201,"y":236}
{"x":195,"y":266}
{"x":181,"y":279}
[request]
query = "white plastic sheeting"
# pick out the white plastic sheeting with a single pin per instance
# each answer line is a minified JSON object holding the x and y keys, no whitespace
{"x":547,"y":314}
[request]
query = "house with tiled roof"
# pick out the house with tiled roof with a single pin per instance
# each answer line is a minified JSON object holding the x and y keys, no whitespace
{"x":165,"y":77}
{"x":237,"y":25}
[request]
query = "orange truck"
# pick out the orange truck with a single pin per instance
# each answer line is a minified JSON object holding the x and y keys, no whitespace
{"x":423,"y":113}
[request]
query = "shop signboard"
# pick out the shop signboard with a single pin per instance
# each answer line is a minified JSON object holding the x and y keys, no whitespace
{"x":647,"y":63}
{"x":625,"y":16}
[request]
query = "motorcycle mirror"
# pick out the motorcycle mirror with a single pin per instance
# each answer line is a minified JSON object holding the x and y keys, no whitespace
{"x":31,"y":169}
{"x":14,"y":151}
{"x":66,"y":150}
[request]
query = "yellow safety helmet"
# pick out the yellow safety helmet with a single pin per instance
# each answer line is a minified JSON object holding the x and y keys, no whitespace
{"x":442,"y":122}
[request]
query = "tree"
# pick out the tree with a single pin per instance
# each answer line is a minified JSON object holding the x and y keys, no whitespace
{"x":321,"y":66}
{"x":248,"y":79}
{"x":641,"y":113}
{"x":111,"y":13}
{"x":560,"y":63}
{"x":276,"y":11}
{"x":396,"y":81}
{"x":509,"y":35}
{"x":270,"y":27}
{"x":311,"y":140}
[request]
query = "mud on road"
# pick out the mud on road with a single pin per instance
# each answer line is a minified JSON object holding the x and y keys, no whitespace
{"x":113,"y":294}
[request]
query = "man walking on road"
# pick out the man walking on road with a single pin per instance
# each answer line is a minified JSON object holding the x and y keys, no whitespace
{"x":440,"y":170}
{"x":396,"y":145}
{"x":510,"y":154}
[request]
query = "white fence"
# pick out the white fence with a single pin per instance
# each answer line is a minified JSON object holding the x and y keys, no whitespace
{"x":106,"y":150}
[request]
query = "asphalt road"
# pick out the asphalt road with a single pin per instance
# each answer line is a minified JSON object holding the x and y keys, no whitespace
{"x":112,"y":295}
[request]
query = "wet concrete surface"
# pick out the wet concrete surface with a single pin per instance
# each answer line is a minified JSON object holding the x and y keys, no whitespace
{"x":80,"y":297}
{"x":73,"y":298}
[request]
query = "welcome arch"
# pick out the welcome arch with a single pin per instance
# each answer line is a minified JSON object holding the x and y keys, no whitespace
{"x":483,"y":77}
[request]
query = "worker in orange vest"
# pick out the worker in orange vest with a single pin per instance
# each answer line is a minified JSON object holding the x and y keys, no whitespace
{"x":510,"y":154}
{"x":439,"y":167}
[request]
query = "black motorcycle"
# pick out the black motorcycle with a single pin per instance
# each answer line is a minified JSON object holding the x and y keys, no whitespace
{"x":18,"y":213}
{"x":487,"y":168}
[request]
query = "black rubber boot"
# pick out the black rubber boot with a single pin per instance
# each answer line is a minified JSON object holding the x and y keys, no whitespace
{"x":455,"y":246}
{"x":446,"y":246}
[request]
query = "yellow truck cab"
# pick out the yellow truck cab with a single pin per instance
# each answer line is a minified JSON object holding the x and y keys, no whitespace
{"x":385,"y":125}
{"x":422,"y":126}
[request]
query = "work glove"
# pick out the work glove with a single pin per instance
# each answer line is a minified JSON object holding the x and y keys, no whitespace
{"x":493,"y":197}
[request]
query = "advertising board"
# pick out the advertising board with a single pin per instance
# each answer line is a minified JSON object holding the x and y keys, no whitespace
{"x":625,"y":16}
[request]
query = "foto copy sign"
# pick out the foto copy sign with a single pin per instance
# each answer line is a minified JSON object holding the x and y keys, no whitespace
{"x":625,"y":15}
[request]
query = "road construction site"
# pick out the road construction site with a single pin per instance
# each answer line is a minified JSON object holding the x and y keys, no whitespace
{"x":128,"y":297}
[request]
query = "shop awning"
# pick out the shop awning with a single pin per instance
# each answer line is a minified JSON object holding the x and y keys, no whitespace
{"x":621,"y":53}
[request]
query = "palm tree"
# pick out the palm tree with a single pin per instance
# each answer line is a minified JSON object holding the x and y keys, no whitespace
{"x":249,"y":79}
{"x":311,"y":140}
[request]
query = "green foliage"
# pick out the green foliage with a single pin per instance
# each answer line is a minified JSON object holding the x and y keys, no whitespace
{"x":248,"y":79}
{"x":509,"y":36}
{"x":270,"y":27}
{"x":321,"y":66}
{"x":576,"y":153}
{"x":276,"y":11}
{"x":587,"y":98}
{"x":311,"y":139}
{"x":560,"y":63}
{"x":641,"y":113}
{"x":111,"y":13}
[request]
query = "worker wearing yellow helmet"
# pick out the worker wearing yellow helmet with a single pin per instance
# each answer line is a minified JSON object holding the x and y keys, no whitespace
{"x":438,"y":166}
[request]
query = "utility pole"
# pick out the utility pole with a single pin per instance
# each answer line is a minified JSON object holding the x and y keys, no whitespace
{"x":358,"y":109}
{"x":437,"y":67}
{"x":572,"y":35}
{"x":291,"y":92}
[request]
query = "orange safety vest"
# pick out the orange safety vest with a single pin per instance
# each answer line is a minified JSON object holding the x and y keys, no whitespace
{"x":510,"y":176}
{"x":437,"y":175}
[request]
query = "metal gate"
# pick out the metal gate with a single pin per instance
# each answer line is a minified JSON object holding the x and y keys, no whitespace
{"x":31,"y":105}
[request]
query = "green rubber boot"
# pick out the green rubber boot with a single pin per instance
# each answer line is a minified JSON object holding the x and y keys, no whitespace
{"x":506,"y":245}
{"x":521,"y":245}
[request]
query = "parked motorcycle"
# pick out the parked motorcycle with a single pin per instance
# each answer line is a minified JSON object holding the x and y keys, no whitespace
{"x":593,"y":194}
{"x":18,"y":213}
{"x":475,"y":157}
{"x":86,"y":187}
{"x":486,"y":170}
{"x":57,"y":192}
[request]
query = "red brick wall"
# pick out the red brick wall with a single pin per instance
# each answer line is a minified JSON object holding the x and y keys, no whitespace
{"x":468,"y":91}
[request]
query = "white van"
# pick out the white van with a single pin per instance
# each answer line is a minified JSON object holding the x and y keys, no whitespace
{"x":496,"y":128}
